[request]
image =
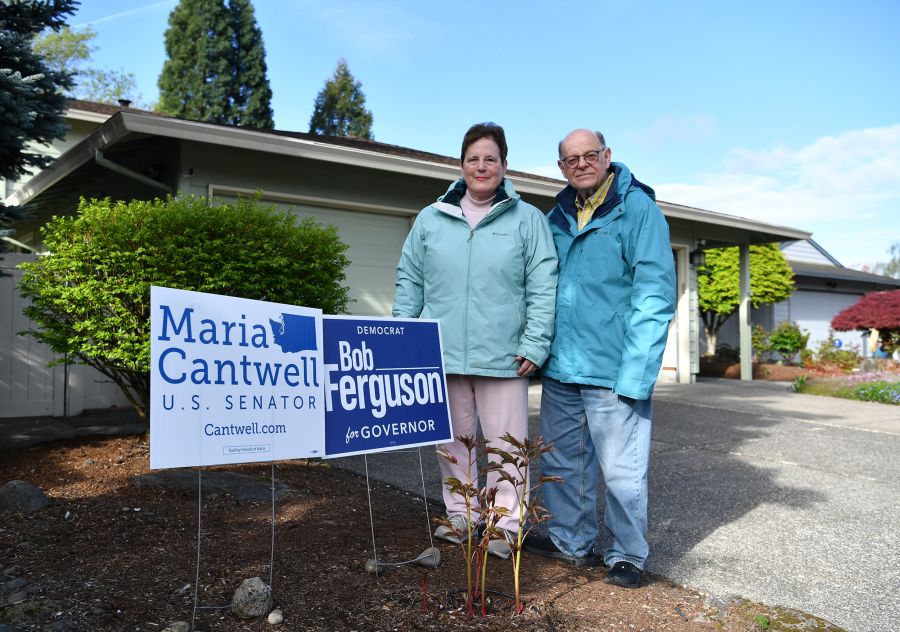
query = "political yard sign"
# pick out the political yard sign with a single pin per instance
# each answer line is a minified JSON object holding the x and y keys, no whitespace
{"x":233,"y":380}
{"x":384,"y":385}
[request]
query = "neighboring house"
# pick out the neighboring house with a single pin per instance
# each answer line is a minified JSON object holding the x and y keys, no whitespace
{"x":370,"y":191}
{"x":824,"y":288}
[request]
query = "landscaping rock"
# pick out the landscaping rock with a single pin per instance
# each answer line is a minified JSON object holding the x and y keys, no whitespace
{"x":242,"y":488}
{"x":9,"y":628}
{"x":432,"y":561}
{"x":275,"y":617}
{"x":178,"y":626}
{"x":14,"y":584}
{"x":20,"y":496}
{"x":868,"y":365}
{"x":372,"y":566}
{"x":17,"y":597}
{"x":30,"y":612}
{"x":254,"y":607}
{"x":62,"y":625}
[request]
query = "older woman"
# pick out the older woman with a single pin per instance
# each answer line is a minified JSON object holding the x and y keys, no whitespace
{"x":482,"y":262}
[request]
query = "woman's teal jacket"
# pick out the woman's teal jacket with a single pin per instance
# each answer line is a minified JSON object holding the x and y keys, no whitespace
{"x":616,"y":291}
{"x":493,"y":287}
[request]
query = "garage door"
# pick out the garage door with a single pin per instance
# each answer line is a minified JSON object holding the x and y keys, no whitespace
{"x":375,"y":242}
{"x":813,"y":311}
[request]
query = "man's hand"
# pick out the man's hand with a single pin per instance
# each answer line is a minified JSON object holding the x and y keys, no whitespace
{"x":527,"y":366}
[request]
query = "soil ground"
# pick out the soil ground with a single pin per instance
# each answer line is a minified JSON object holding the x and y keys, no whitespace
{"x":118,"y":557}
{"x":764,"y":372}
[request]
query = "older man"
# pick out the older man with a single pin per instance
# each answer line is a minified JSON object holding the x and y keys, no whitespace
{"x":615,"y":299}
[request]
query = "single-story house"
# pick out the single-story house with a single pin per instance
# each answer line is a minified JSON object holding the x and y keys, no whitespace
{"x":370,"y":191}
{"x":823,"y":288}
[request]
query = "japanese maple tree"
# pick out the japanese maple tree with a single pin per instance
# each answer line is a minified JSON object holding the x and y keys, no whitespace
{"x":877,"y":310}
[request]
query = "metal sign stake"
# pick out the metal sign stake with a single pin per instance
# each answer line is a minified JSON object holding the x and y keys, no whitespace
{"x":427,"y":518}
{"x":199,"y":531}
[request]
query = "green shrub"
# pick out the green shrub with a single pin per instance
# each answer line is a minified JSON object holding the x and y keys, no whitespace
{"x":759,"y":339}
{"x":725,"y":353}
{"x":882,"y":392}
{"x":788,"y":340}
{"x":828,"y":353}
{"x":91,"y":295}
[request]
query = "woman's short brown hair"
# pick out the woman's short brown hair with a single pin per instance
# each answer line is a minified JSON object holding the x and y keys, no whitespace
{"x":485,"y":130}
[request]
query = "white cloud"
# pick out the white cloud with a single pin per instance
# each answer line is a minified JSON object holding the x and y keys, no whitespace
{"x":850,"y":177}
{"x":674,"y":128}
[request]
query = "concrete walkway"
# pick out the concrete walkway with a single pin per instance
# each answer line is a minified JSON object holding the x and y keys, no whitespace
{"x":787,"y":499}
{"x":19,"y":432}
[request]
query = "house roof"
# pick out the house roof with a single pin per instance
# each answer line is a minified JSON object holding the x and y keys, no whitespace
{"x":820,"y":270}
{"x":122,"y":121}
{"x":89,"y":110}
{"x":100,"y":112}
{"x":790,"y":248}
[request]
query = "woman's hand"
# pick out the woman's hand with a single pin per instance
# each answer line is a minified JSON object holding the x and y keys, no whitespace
{"x":527,"y":366}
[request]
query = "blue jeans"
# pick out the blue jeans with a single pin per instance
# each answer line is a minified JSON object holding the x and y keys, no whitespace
{"x":591,"y":425}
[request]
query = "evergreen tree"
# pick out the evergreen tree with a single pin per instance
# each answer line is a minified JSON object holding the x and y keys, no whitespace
{"x":216,"y":68}
{"x":251,"y":94}
{"x":196,"y":77}
{"x":340,"y":108}
{"x":31,"y":93}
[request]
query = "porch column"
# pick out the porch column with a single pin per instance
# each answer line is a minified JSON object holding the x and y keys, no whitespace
{"x":744,"y":314}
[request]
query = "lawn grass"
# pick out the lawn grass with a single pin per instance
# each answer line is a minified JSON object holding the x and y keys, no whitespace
{"x":880,"y":391}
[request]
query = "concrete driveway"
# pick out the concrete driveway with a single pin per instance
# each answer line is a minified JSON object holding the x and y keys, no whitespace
{"x":787,"y":499}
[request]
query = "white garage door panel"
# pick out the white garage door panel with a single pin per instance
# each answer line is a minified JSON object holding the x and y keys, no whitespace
{"x":813,"y":311}
{"x":375,"y":242}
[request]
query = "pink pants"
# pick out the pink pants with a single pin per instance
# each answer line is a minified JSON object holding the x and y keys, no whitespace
{"x":502,"y":406}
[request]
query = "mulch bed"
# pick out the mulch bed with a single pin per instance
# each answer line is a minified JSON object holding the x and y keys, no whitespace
{"x":117,"y":568}
{"x":763,"y":372}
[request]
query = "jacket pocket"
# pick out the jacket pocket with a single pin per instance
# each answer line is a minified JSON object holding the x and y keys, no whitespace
{"x":494,"y":335}
{"x":452,"y":335}
{"x":597,"y":342}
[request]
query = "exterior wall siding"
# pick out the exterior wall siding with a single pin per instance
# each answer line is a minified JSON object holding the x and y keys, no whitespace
{"x":28,"y":387}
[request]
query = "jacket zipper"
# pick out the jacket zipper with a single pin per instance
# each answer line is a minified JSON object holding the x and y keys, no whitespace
{"x":468,"y":276}
{"x":492,"y":217}
{"x":466,"y":313}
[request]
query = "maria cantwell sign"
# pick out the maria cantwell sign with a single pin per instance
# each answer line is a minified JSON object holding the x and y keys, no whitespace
{"x":233,"y":380}
{"x":384,"y":385}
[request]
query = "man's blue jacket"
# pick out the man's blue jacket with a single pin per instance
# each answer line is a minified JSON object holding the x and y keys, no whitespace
{"x":616,"y":292}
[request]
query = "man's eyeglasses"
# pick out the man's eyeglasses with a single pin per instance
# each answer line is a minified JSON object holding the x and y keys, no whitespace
{"x":590,"y":158}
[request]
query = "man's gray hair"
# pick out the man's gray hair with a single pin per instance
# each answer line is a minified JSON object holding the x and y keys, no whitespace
{"x":599,"y":137}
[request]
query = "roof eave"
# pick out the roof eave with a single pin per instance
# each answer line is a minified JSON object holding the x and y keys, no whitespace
{"x":108,"y":133}
{"x":781,"y":233}
{"x":302,"y":148}
{"x":84,"y":115}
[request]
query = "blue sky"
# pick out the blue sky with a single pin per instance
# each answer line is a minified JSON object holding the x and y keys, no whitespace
{"x":786,"y":112}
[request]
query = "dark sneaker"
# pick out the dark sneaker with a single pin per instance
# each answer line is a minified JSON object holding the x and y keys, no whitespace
{"x":545,"y":547}
{"x":624,"y":574}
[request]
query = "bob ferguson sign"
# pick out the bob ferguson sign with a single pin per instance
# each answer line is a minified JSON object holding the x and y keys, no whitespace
{"x":384,"y":385}
{"x":233,"y":380}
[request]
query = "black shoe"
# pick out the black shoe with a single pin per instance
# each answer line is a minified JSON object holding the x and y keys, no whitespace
{"x":624,"y":574}
{"x":545,"y":547}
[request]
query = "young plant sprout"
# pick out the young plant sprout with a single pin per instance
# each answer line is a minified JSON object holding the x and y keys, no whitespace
{"x":526,"y":451}
{"x":468,"y":490}
{"x":491,"y":514}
